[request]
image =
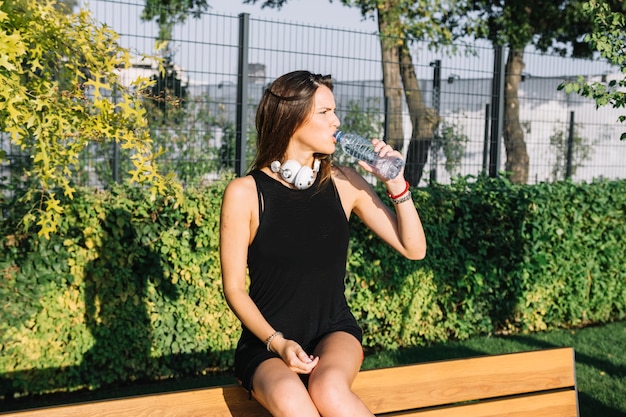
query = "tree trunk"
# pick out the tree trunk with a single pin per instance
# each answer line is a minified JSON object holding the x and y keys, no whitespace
{"x":516,"y":154}
{"x":391,"y":77}
{"x":423,"y":119}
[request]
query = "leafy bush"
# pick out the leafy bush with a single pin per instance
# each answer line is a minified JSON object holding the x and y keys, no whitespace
{"x":130,"y":289}
{"x":54,"y":108}
{"x":127,"y":289}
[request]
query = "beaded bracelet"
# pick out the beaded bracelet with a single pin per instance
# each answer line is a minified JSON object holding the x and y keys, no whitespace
{"x":268,"y":341}
{"x":402,"y":199}
{"x":395,"y":197}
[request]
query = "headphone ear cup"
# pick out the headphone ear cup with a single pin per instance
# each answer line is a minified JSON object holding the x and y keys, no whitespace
{"x":304,"y":178}
{"x":289,"y":170}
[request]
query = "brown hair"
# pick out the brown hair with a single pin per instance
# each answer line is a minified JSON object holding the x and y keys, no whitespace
{"x":286,"y":104}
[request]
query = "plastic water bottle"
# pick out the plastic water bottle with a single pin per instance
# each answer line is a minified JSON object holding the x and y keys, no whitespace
{"x":362,"y":149}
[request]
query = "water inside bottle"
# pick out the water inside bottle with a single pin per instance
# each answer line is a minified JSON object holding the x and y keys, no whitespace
{"x":389,"y":167}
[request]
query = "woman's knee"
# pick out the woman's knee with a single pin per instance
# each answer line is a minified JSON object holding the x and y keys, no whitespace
{"x":330,"y":391}
{"x":285,"y":400}
{"x":284,"y":395}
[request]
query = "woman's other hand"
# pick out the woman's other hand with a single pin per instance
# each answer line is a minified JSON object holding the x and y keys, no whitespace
{"x":294,"y":356}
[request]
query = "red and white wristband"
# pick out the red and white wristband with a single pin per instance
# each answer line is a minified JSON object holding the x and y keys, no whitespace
{"x":402,"y":197}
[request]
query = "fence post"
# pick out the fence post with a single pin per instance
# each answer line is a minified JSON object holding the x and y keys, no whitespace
{"x":436,"y":64}
{"x":570,"y":147}
{"x":486,"y":139}
{"x":497,"y":110}
{"x":241,"y":137}
{"x":386,"y":134}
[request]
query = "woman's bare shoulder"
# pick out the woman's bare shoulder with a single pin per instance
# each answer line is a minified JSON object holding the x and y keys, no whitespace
{"x":241,"y":188}
{"x":352,"y":187}
{"x":348,"y":177}
{"x":344,"y":173}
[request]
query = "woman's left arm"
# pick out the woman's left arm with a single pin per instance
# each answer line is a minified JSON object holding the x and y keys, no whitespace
{"x":400,"y":228}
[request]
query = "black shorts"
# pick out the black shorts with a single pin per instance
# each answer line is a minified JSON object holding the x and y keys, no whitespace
{"x":250,"y":354}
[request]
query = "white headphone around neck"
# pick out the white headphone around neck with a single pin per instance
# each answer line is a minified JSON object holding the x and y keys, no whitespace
{"x":302,"y":177}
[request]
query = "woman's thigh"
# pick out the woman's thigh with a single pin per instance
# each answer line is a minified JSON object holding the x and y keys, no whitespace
{"x":330,"y":383}
{"x":341,"y":354}
{"x":281,"y":391}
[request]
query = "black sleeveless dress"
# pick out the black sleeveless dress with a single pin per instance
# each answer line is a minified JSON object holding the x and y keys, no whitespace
{"x":297,"y":264}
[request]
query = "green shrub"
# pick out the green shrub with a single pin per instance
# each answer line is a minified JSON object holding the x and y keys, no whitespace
{"x":130,"y":289}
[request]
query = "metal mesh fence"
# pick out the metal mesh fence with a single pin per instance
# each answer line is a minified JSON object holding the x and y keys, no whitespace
{"x":200,"y":138}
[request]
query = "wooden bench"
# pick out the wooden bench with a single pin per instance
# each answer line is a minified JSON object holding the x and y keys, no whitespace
{"x":528,"y":384}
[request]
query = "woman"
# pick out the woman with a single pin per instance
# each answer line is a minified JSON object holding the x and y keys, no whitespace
{"x":286,"y":224}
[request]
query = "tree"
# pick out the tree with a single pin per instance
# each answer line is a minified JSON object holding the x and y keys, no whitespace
{"x":60,"y":75}
{"x":167,"y":101}
{"x":400,"y":23}
{"x":65,"y":6}
{"x":167,"y":94}
{"x":608,"y":39}
{"x":451,"y":141}
{"x":168,"y":13}
{"x":186,"y":136}
{"x":569,"y":156}
{"x":546,"y":25}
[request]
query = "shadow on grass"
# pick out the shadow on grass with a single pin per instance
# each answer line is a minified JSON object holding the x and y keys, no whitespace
{"x":589,"y":404}
{"x":591,"y":407}
{"x":418,"y":355}
{"x":581,"y":358}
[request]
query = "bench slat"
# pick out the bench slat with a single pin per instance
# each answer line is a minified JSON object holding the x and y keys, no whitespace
{"x":446,"y":382}
{"x":386,"y":391}
{"x":556,"y":404}
{"x":215,"y":402}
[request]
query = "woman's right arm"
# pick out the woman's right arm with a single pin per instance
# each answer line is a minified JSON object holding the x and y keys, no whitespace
{"x":236,"y":231}
{"x":238,"y":225}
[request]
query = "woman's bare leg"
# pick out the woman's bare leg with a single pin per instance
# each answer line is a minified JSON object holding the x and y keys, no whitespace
{"x":281,"y":391}
{"x":330,"y":383}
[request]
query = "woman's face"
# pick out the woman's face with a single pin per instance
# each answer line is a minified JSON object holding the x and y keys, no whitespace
{"x":316,"y":133}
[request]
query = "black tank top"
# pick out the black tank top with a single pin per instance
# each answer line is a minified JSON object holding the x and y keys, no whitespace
{"x":297,"y":260}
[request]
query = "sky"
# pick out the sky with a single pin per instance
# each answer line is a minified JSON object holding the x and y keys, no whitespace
{"x":318,"y":12}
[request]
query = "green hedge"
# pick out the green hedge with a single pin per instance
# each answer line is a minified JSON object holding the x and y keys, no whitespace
{"x":130,"y":289}
{"x":502,"y":258}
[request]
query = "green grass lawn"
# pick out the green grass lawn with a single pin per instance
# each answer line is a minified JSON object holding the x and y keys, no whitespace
{"x":600,"y":367}
{"x":600,"y":353}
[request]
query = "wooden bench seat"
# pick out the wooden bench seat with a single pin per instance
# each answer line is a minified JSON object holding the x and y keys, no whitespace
{"x":528,"y":384}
